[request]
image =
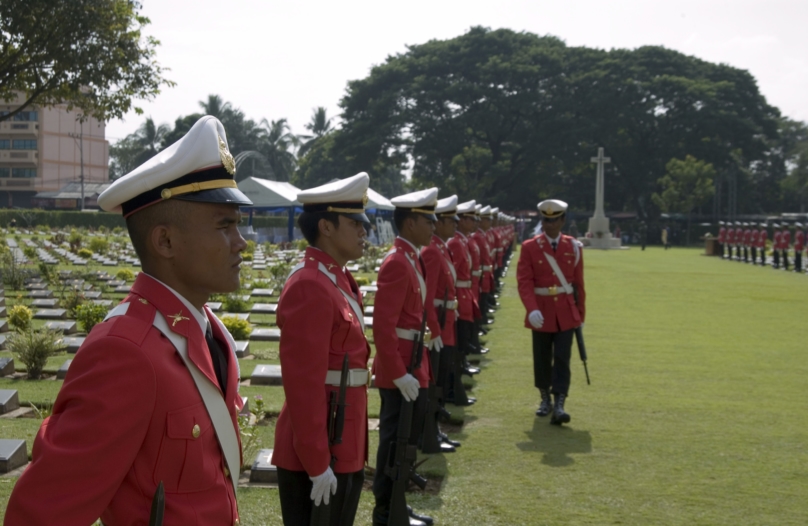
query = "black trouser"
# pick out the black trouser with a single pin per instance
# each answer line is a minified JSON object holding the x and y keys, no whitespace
{"x":294,"y":488}
{"x":446,"y":363}
{"x":745,"y":254}
{"x":455,"y":391}
{"x":763,"y":256}
{"x":551,"y":360}
{"x":776,"y":262}
{"x":785,"y":259}
{"x":798,"y":261}
{"x":754,"y":255}
{"x":388,"y":430}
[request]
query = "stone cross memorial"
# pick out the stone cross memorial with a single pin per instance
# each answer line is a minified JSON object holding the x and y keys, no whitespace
{"x":601,"y":235}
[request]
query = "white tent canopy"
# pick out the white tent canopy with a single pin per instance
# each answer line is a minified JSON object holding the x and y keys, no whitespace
{"x":269,"y":194}
{"x":378,"y":201}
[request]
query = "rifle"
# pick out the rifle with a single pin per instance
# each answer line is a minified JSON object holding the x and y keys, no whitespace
{"x":158,"y":506}
{"x":402,"y":455}
{"x":430,"y":442}
{"x":579,"y":338}
{"x":321,"y":515}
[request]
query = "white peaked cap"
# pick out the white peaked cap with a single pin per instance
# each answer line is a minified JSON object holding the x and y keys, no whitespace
{"x":469,"y":207}
{"x":485,"y":211}
{"x":552,"y":207}
{"x":198,"y":167}
{"x":447,"y":207}
{"x":422,"y":201}
{"x":345,"y":196}
{"x":495,"y":210}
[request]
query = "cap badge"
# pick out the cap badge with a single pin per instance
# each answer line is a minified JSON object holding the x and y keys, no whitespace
{"x":227,"y":159}
{"x":365,"y":199}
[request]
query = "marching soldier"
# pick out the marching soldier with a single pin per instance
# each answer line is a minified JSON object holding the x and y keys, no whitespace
{"x":398,"y":318}
{"x":550,"y":275}
{"x":441,"y":307}
{"x":799,"y":245}
{"x":152,"y":395}
{"x":461,"y":256}
{"x":321,"y":318}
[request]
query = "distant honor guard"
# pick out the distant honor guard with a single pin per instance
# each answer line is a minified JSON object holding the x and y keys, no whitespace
{"x":550,"y":275}
{"x":785,"y":244}
{"x":776,"y":237}
{"x":152,"y":395}
{"x":722,"y":238}
{"x":402,"y":364}
{"x":762,"y":235}
{"x":321,"y":438}
{"x":753,"y":242}
{"x":799,"y":246}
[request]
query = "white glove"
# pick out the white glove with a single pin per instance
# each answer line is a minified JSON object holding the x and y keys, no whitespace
{"x":408,"y":385}
{"x":436,"y":344}
{"x":536,"y":319}
{"x":320,"y":486}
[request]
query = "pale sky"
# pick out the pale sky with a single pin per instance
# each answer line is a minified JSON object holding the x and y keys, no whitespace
{"x":282,"y":59}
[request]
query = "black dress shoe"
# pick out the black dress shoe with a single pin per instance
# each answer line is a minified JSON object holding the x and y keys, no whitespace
{"x":444,"y":438}
{"x":463,"y":403}
{"x":380,"y":518}
{"x":446,"y":448}
{"x":426,"y":519}
{"x":471,"y":371}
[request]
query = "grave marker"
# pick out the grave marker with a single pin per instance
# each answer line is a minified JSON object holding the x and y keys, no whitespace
{"x":265,"y":335}
{"x":67,"y":327}
{"x":6,"y":364}
{"x":266,"y":375}
{"x":62,"y":372}
{"x":242,"y":349}
{"x":9,"y":401}
{"x":262,"y":469}
{"x":13,"y":454}
{"x":51,"y":314}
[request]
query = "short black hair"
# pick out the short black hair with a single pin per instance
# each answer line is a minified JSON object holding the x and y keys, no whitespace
{"x":400,"y":215}
{"x":309,"y":221}
{"x":141,"y":223}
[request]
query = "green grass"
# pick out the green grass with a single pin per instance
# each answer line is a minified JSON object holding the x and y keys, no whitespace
{"x":696,"y":412}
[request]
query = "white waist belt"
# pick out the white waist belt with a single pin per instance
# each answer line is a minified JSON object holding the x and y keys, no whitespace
{"x":462,"y":284}
{"x":412,"y":334}
{"x":553,"y":291}
{"x":450,"y":304}
{"x":476,"y":273}
{"x":488,"y":268}
{"x":356,"y":377}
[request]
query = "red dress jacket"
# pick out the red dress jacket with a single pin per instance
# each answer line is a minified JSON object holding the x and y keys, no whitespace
{"x":762,"y":238}
{"x":747,"y":237}
{"x":785,"y":240}
{"x":398,"y":304}
{"x":499,"y":240}
{"x":722,"y":235}
{"x":318,"y":328}
{"x":461,"y":256}
{"x":439,"y":285}
{"x":560,"y":311}
{"x":731,"y":236}
{"x":125,"y":419}
{"x":487,"y":277}
{"x":799,"y":241}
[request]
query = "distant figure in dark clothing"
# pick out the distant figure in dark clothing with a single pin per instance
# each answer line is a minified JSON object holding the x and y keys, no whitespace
{"x":643,"y":234}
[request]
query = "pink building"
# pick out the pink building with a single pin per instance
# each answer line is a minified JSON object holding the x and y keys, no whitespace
{"x":41,"y":151}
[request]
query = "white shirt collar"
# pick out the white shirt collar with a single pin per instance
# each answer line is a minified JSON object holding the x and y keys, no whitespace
{"x":551,"y":240}
{"x":199,"y":316}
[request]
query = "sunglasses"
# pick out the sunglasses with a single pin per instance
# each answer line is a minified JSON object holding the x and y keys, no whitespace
{"x":551,"y":219}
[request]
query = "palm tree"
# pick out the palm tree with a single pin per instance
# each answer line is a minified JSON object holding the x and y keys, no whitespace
{"x":137,"y":148}
{"x":217,"y":107}
{"x":277,"y":143}
{"x":319,"y":126}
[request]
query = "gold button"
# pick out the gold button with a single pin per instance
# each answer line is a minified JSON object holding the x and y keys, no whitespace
{"x":195,"y":431}
{"x":555,"y":298}
{"x":350,"y":315}
{"x":226,"y":472}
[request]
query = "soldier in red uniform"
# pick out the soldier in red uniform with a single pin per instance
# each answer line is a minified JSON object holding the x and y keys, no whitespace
{"x":785,"y":244}
{"x":486,"y":263}
{"x":550,"y":275}
{"x":753,"y":243}
{"x":321,"y":318}
{"x":461,"y":256}
{"x":799,"y":245}
{"x":398,"y":316}
{"x":722,"y":238}
{"x":441,"y":304}
{"x":747,"y":242}
{"x":480,"y":317}
{"x":762,"y":235}
{"x":776,"y":235}
{"x":152,"y":395}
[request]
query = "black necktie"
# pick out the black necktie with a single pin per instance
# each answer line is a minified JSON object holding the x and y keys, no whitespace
{"x":218,"y":358}
{"x":555,"y":244}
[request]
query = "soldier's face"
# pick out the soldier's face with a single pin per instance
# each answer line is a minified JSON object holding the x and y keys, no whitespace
{"x":445,"y":227}
{"x":552,"y":226}
{"x":422,"y":229}
{"x":349,"y":239}
{"x":207,"y":248}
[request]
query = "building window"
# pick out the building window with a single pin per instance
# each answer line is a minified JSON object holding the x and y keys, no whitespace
{"x":27,"y":116}
{"x":5,"y":172}
{"x":5,"y":144}
{"x":23,"y":172}
{"x":23,"y":144}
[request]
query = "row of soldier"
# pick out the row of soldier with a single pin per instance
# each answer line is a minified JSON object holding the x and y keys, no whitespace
{"x":747,"y":242}
{"x":147,"y":418}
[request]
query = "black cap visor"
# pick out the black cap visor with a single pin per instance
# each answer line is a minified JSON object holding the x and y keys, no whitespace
{"x":217,"y":195}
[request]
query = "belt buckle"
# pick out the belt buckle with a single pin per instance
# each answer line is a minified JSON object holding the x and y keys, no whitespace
{"x":552,"y":291}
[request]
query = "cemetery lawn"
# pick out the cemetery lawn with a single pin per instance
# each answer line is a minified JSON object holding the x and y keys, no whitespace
{"x":696,"y":412}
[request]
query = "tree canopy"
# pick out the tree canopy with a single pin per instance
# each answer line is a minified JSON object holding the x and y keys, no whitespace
{"x":88,"y":54}
{"x":511,"y":117}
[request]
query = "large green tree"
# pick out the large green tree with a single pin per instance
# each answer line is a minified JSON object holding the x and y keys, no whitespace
{"x":509,"y":118}
{"x":686,"y":185}
{"x":89,"y":54}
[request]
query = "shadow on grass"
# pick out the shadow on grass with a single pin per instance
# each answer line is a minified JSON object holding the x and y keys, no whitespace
{"x":556,"y":442}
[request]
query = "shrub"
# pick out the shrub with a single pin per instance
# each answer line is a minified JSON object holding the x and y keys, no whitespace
{"x":247,"y":256}
{"x":70,"y":298}
{"x":89,"y":315}
{"x":125,"y":274}
{"x":99,"y":245}
{"x":19,"y":317}
{"x":239,"y":329}
{"x":30,"y":252}
{"x":251,"y":437}
{"x":361,"y":280}
{"x":250,"y":247}
{"x":75,"y":240}
{"x":34,"y":347}
{"x":85,"y":253}
{"x":260,"y":284}
{"x":235,"y":303}
{"x":48,"y":272}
